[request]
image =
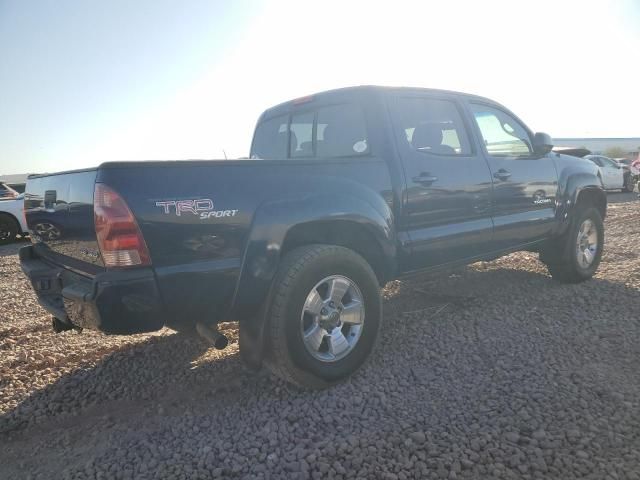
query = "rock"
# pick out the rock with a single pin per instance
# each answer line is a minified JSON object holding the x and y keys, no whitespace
{"x":539,"y":435}
{"x":512,"y":437}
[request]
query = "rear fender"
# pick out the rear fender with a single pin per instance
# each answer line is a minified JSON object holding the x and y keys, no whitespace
{"x":273,"y":223}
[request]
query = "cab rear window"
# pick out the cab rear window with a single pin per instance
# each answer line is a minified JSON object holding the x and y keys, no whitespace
{"x":326,"y":132}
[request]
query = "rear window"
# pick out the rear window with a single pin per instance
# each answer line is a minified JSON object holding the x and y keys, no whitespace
{"x":271,"y":138}
{"x":327,"y":132}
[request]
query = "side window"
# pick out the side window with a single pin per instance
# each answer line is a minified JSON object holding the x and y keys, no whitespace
{"x":270,"y":139}
{"x":332,"y":131}
{"x":595,"y":160}
{"x":301,"y":139}
{"x":432,"y":126}
{"x":503,"y":135}
{"x":341,"y":131}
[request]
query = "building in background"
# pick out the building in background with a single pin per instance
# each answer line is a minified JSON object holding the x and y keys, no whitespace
{"x":599,"y":146}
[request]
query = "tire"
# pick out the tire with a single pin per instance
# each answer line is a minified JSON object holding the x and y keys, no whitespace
{"x":8,"y":229}
{"x":301,"y":287}
{"x":569,"y":264}
{"x":628,"y":183}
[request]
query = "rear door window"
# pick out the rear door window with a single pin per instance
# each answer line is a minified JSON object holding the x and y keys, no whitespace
{"x":433,"y":126}
{"x":326,"y":132}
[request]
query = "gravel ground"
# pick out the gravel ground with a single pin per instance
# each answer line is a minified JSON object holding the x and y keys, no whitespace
{"x":495,"y":371}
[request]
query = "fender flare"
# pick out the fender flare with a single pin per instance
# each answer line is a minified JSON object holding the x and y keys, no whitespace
{"x":272,"y":222}
{"x":572,"y":184}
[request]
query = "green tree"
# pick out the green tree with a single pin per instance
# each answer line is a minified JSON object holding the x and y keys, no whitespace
{"x":615,"y":152}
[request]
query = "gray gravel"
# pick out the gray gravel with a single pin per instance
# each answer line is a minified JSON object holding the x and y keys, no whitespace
{"x":495,"y":371}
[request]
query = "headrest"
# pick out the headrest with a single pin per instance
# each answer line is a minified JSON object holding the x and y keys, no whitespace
{"x":427,"y":135}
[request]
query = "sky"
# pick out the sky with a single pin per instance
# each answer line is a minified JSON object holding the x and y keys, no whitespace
{"x":87,"y":81}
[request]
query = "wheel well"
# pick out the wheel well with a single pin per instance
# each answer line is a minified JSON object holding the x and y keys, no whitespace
{"x":595,"y":197}
{"x":13,"y":218}
{"x":345,"y":234}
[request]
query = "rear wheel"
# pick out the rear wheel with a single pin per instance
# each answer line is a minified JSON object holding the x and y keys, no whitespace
{"x":8,"y":229}
{"x":324,"y":316}
{"x":577,"y":254}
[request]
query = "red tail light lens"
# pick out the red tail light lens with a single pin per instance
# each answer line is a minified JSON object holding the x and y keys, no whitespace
{"x":119,"y":238}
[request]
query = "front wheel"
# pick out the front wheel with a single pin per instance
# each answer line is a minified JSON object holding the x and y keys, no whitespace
{"x":628,"y":183}
{"x":324,"y":316}
{"x":579,"y":251}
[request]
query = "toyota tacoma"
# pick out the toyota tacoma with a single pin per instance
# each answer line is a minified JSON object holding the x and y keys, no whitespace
{"x":343,"y":191}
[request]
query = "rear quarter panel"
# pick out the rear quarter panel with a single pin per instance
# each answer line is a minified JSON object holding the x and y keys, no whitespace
{"x":198,"y":261}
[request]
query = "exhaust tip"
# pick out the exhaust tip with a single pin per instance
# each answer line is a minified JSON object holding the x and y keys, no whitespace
{"x":218,"y":340}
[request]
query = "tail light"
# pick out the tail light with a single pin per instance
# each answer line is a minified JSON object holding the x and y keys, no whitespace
{"x":119,"y":238}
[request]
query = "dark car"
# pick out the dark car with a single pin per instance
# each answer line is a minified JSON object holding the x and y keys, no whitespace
{"x":345,"y":190}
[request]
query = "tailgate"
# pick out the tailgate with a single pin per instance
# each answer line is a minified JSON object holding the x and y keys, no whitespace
{"x":59,"y":213}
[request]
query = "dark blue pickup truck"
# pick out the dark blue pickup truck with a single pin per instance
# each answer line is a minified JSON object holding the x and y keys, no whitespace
{"x":343,"y":191}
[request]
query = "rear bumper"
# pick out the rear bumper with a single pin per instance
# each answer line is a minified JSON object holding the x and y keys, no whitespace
{"x":119,"y":302}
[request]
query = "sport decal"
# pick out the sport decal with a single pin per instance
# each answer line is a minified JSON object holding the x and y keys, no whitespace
{"x":202,"y":207}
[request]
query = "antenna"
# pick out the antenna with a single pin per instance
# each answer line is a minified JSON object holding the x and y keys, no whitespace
{"x":225,"y":154}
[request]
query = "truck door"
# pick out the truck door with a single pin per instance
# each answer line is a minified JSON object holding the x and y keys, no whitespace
{"x":446,"y":205}
{"x":524,"y":183}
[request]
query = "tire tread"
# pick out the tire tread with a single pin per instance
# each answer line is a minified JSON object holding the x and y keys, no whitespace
{"x":277,"y":358}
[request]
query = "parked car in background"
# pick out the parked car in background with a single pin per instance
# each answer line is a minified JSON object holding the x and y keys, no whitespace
{"x":7,"y":192}
{"x":634,"y":169}
{"x":614,"y":176}
{"x":623,"y":161}
{"x":12,"y":220}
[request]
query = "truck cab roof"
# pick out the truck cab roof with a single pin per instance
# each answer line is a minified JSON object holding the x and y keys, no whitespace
{"x":344,"y":93}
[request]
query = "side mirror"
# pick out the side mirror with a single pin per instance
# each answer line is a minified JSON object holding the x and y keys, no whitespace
{"x":542,"y":143}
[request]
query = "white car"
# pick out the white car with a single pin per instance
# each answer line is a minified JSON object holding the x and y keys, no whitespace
{"x":613,"y":175}
{"x":12,"y":221}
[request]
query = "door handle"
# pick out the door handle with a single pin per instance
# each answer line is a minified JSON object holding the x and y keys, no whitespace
{"x":425,"y":178}
{"x":502,"y":174}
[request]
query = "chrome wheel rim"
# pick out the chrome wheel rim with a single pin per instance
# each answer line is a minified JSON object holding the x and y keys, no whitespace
{"x":332,"y":318}
{"x":586,"y":244}
{"x":47,"y":231}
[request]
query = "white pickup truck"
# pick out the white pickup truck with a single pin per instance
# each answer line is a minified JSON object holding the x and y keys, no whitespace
{"x":12,"y":221}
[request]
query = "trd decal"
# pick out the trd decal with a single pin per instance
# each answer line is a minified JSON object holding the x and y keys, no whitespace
{"x":202,"y":207}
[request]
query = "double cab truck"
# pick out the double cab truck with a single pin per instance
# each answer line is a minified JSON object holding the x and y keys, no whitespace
{"x":343,"y":191}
